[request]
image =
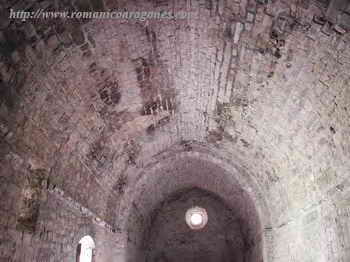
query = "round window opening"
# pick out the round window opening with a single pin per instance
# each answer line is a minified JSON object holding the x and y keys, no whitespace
{"x":196,"y":218}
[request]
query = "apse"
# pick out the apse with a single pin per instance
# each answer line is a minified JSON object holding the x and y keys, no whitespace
{"x":193,"y":210}
{"x":210,"y":131}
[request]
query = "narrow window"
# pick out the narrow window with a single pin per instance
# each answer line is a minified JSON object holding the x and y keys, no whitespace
{"x":85,"y":249}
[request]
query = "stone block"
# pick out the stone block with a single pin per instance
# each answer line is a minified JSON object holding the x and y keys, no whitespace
{"x":78,"y":36}
{"x":238,"y":31}
{"x":97,"y":5}
{"x":53,"y":42}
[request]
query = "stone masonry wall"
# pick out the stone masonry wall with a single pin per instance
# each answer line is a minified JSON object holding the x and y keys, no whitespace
{"x":263,"y":83}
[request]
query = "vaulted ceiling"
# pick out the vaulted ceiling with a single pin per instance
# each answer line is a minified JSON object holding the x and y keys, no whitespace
{"x":114,"y":110}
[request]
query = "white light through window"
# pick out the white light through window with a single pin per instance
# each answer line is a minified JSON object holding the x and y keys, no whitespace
{"x":86,"y":247}
{"x":196,"y":218}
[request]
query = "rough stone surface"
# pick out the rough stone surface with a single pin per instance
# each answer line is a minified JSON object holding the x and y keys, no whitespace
{"x":247,"y":99}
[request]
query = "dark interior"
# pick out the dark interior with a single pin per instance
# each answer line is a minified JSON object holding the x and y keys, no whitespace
{"x":223,"y":239}
{"x":164,"y":235}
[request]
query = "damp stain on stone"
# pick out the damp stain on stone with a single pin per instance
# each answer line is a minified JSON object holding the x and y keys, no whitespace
{"x":132,"y":150}
{"x":10,"y":90}
{"x":119,"y":187}
{"x":99,"y":153}
{"x":30,"y":202}
{"x":150,"y":129}
{"x":277,"y":53}
{"x":162,"y":122}
{"x":187,"y":145}
{"x":110,"y":93}
{"x":142,"y":68}
{"x":216,"y":135}
{"x":153,"y":81}
{"x":244,"y":143}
